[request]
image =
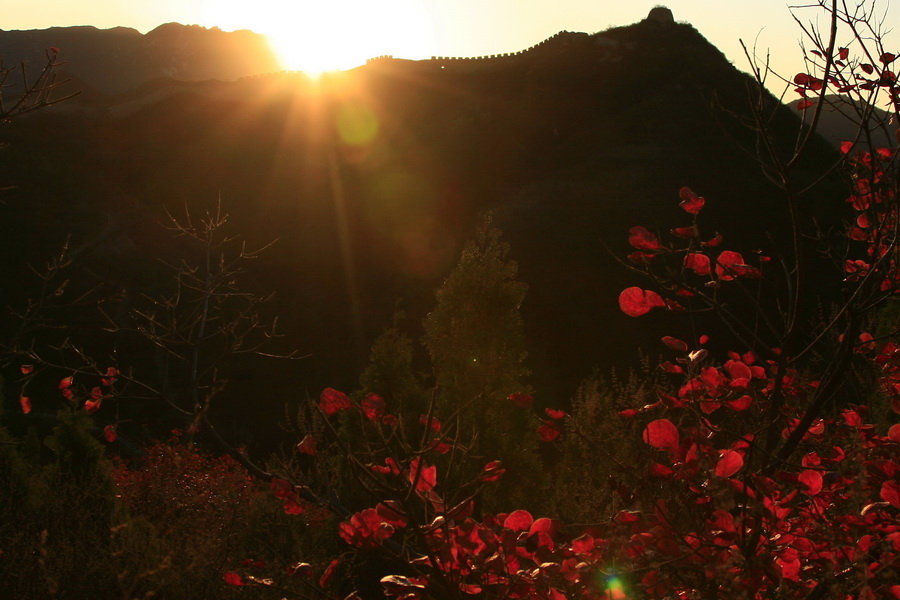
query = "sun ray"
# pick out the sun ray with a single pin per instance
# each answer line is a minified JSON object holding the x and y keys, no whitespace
{"x":337,"y":35}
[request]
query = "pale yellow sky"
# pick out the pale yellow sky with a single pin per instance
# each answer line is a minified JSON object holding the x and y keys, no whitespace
{"x":343,"y":33}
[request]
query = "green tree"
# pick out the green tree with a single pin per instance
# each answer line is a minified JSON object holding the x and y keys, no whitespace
{"x":475,"y":334}
{"x":476,"y":341}
{"x":390,"y":372}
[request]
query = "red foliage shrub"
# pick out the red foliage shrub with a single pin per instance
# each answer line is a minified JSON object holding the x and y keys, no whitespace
{"x":186,"y":493}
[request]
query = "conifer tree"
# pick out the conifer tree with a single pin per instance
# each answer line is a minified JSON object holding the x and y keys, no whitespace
{"x":476,"y":341}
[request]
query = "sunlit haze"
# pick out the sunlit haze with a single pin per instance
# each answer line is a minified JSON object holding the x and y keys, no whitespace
{"x":322,"y":36}
{"x":341,"y":34}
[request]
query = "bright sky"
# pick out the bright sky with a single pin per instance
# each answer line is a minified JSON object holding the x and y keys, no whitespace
{"x":343,"y":33}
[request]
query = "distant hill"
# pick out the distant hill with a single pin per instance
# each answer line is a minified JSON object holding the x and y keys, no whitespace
{"x":569,"y":143}
{"x":113,"y":61}
{"x":839,"y":121}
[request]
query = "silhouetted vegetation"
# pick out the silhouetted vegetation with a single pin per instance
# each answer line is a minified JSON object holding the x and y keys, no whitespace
{"x":158,"y":439}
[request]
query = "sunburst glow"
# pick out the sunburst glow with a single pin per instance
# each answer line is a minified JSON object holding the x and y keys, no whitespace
{"x":331,"y":35}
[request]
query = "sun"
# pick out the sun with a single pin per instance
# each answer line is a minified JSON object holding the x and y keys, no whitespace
{"x":326,"y":35}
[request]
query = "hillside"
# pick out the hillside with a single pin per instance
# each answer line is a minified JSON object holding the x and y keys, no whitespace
{"x":103,"y":62}
{"x":569,"y":144}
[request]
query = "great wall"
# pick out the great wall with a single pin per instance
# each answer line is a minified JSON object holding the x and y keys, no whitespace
{"x":488,"y":57}
{"x":610,"y":49}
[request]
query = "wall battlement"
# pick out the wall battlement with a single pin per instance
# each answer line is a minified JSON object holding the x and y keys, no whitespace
{"x":612,"y":48}
{"x":441,"y":61}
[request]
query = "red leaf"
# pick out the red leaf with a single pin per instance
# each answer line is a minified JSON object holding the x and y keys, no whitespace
{"x":741,"y":404}
{"x":642,"y":239}
{"x":492,"y":471}
{"x":789,"y":565}
{"x":92,"y":406}
{"x":712,"y":377}
{"x":546,"y":530}
{"x":329,"y":573}
{"x":282,"y":488}
{"x":890,"y":492}
{"x":843,"y":53}
{"x":109,"y":433}
{"x":628,"y":413}
{"x":26,"y":369}
{"x":430,"y":422}
{"x":690,"y":202}
{"x":846,"y":147}
{"x":671,"y":368}
{"x":300,"y":569}
{"x":384,"y":470}
{"x":519,"y":520}
{"x":624,"y":517}
{"x":658,"y":470}
{"x":397,"y":585}
{"x":714,"y":242}
{"x":675,"y":343}
{"x":635,"y":301}
{"x":548,"y":431}
{"x":812,"y":480}
{"x":738,"y":369}
{"x":686,"y":232}
{"x":725,"y":264}
{"x":307,"y":445}
{"x":893,"y":432}
{"x":662,"y":435}
{"x":697,"y":262}
{"x":425,"y":479}
{"x":867,"y":68}
{"x":372,"y":406}
{"x":65,"y":383}
{"x":641,"y":258}
{"x":292,"y":507}
{"x":25,"y":403}
{"x":332,"y":401}
{"x":583,"y":544}
{"x":887,"y":57}
{"x":555,"y":413}
{"x":852,"y":417}
{"x":96,"y":393}
{"x":521,"y":400}
{"x":232,"y":578}
{"x":461,"y":511}
{"x":804,"y":104}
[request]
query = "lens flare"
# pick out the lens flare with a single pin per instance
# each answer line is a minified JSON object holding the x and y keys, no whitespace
{"x":357,"y":124}
{"x":615,"y":590}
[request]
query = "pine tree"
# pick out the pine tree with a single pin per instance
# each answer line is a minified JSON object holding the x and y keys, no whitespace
{"x":476,"y":341}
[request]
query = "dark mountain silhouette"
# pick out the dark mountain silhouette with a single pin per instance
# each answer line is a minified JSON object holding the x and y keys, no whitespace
{"x":840,"y":120}
{"x":113,"y":61}
{"x":569,"y":144}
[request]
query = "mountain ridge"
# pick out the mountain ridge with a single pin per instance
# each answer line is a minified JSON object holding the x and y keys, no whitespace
{"x":117,"y":60}
{"x":568,"y":149}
